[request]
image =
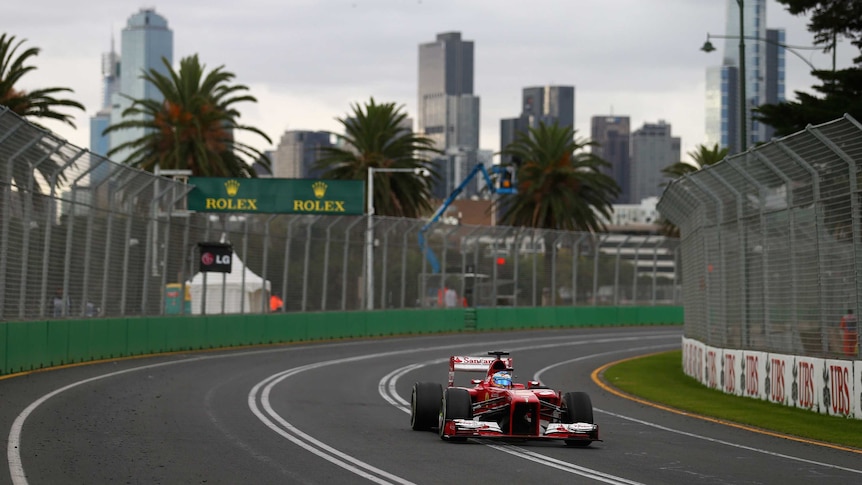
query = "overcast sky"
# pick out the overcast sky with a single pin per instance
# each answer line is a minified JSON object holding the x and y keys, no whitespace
{"x":308,"y":61}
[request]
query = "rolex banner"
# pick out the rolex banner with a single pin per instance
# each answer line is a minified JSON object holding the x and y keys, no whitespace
{"x":277,"y":196}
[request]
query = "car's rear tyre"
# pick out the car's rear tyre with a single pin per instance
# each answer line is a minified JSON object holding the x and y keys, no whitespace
{"x":456,"y":405}
{"x":577,"y":408}
{"x":425,"y":405}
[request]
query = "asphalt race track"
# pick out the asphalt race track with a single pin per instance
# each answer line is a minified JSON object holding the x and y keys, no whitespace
{"x":338,"y":412}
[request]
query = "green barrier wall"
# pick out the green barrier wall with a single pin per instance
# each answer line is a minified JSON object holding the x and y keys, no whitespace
{"x":26,"y":346}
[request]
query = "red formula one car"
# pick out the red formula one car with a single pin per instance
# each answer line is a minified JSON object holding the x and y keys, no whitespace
{"x":496,"y":407}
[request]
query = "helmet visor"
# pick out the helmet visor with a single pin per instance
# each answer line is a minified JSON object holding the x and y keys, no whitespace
{"x":503,"y":380}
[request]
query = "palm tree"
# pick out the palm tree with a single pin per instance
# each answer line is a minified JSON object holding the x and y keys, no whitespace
{"x":39,"y":103}
{"x":375,"y":136}
{"x":36,"y":104}
{"x":702,"y":156}
{"x":559,"y":185}
{"x":193,"y":127}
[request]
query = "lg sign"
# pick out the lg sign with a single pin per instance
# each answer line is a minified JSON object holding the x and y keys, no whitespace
{"x":215,"y":257}
{"x":210,"y":258}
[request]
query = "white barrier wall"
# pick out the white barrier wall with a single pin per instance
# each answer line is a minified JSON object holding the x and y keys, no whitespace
{"x":825,"y":386}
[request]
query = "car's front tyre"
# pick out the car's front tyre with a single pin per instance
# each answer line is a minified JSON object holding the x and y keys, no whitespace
{"x":456,"y":405}
{"x":577,"y":408}
{"x":425,"y":405}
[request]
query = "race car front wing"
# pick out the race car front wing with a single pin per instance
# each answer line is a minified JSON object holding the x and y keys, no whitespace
{"x":470,"y":428}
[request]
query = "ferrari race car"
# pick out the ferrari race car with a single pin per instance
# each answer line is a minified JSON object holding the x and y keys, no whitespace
{"x":496,"y":407}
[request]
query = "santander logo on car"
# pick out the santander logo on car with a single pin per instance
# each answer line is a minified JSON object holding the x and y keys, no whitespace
{"x":472,"y":360}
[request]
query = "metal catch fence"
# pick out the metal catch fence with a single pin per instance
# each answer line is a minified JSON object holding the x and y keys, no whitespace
{"x":82,"y":236}
{"x":771,"y":244}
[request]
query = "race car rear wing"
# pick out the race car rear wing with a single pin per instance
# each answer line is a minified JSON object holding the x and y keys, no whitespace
{"x":476,"y":364}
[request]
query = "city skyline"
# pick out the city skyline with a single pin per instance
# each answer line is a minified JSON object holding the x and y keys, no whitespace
{"x":306,"y":73}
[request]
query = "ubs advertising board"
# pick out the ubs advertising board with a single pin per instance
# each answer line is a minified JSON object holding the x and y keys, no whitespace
{"x":277,"y":196}
{"x":825,"y":386}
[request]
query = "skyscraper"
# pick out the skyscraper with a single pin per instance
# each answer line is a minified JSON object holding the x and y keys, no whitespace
{"x":542,"y":104}
{"x":110,"y":85}
{"x":549,"y":105}
{"x":764,"y":77}
{"x":722,"y":107}
{"x":774,"y":75}
{"x":145,"y":41}
{"x":653,"y":148}
{"x":448,"y":110}
{"x":297,"y":152}
{"x":612,"y":135}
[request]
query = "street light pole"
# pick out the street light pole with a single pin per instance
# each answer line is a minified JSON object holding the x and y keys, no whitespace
{"x":369,"y":231}
{"x":369,"y":244}
{"x":793,"y":49}
{"x":743,"y":103}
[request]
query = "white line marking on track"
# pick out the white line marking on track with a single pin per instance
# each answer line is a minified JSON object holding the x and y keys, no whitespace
{"x":562,"y":465}
{"x":734,"y":445}
{"x":697,"y":436}
{"x":306,"y":441}
{"x":387,"y":390}
{"x":387,"y":385}
{"x":13,"y":451}
{"x":274,"y":421}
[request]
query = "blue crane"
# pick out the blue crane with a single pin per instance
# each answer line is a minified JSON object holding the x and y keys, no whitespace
{"x":506,"y":177}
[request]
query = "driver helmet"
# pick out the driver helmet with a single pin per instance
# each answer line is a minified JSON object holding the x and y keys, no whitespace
{"x":501,"y":379}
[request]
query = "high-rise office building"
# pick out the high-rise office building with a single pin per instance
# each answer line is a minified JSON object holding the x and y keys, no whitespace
{"x":612,"y":136}
{"x":653,"y":148}
{"x":549,"y":105}
{"x":722,"y":107}
{"x":259,"y":167}
{"x":764,"y":78}
{"x":774,"y":76}
{"x":448,"y":110}
{"x":145,"y":41}
{"x":110,"y":85}
{"x":297,"y":152}
{"x":542,"y":104}
{"x":509,"y":129}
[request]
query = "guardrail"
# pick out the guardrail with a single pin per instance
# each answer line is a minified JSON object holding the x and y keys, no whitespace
{"x":771,"y":244}
{"x":31,"y":345}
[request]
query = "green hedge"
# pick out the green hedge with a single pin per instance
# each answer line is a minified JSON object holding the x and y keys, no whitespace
{"x":30,"y":345}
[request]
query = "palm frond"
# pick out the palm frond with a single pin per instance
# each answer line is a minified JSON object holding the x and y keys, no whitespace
{"x":559,"y":184}
{"x":374,"y":136}
{"x":193,"y":126}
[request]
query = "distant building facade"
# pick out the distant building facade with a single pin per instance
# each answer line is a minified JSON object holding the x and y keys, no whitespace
{"x":260,"y":169}
{"x":110,"y":85}
{"x":764,"y":78}
{"x":722,"y":107}
{"x":641,"y":217}
{"x":145,"y":40}
{"x":298,"y":151}
{"x":613,"y":136}
{"x":653,"y":148}
{"x":774,"y":75}
{"x":541,"y":104}
{"x":448,"y":110}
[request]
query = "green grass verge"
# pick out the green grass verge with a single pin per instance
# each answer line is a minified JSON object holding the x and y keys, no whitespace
{"x":659,"y":378}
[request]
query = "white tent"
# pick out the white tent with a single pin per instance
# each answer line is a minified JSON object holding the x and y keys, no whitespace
{"x":241,"y":290}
